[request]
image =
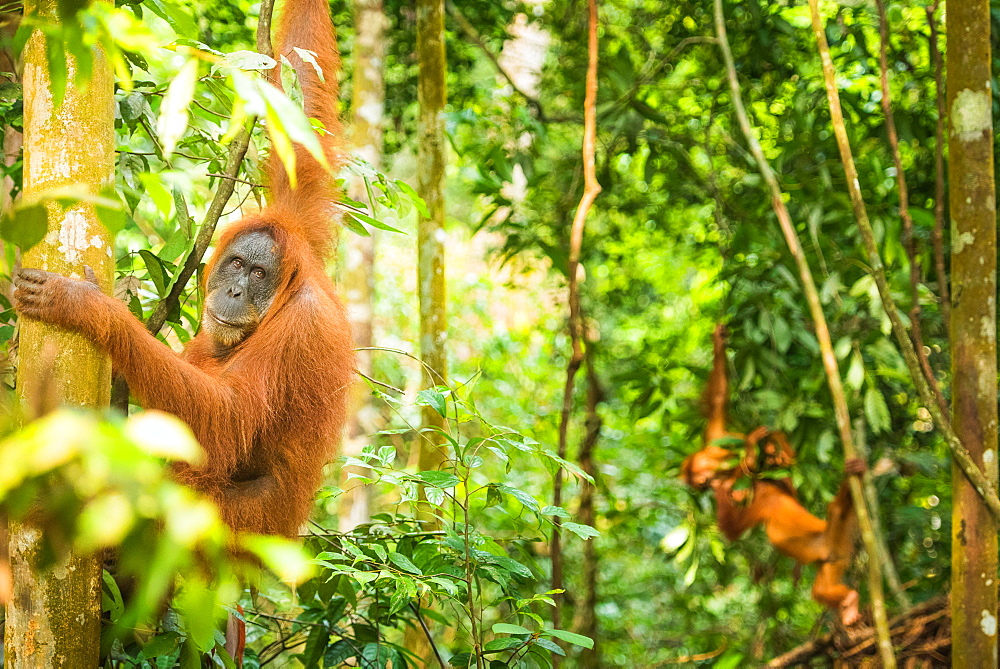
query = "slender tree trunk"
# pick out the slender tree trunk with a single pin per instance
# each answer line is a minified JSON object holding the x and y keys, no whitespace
{"x":591,"y":190}
{"x":53,"y":618}
{"x":973,"y":330}
{"x":585,"y":622}
{"x":368,"y":105}
{"x":432,"y":159}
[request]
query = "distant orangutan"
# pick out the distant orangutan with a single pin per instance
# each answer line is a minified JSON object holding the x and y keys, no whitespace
{"x":773,"y":503}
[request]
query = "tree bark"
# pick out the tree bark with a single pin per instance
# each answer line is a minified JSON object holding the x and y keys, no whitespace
{"x":973,"y":330}
{"x":53,"y":618}
{"x":358,"y":284}
{"x":591,"y":190}
{"x":432,"y":159}
{"x":585,"y":622}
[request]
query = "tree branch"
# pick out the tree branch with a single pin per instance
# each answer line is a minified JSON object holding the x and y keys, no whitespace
{"x":591,"y":190}
{"x":904,"y":208}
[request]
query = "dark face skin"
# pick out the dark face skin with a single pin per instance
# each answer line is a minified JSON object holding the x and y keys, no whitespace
{"x":241,"y":288}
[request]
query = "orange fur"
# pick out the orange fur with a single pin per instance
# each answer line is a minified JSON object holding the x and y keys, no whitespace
{"x":773,"y":503}
{"x":269,"y":411}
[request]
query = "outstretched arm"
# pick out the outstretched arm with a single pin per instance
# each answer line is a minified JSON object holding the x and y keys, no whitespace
{"x":158,"y":376}
{"x":841,"y":520}
{"x":717,"y":391}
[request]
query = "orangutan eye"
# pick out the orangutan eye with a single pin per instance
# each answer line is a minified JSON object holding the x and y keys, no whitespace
{"x":236,"y":263}
{"x":259,"y":273}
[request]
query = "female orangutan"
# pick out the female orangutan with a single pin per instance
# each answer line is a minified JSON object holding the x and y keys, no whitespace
{"x":771,"y":502}
{"x":264,"y":383}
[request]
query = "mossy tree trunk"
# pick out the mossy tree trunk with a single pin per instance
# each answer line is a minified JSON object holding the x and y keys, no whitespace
{"x":53,"y":619}
{"x":431,"y":159}
{"x":973,"y":330}
{"x":368,"y":108}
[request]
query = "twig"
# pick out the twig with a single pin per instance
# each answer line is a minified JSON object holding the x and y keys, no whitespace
{"x":591,"y":189}
{"x":379,"y":383}
{"x":871,"y":495}
{"x":236,"y":179}
{"x":825,"y":343}
{"x":938,"y":237}
{"x":427,"y":633}
{"x":959,"y":452}
{"x":904,"y":208}
{"x":237,"y":151}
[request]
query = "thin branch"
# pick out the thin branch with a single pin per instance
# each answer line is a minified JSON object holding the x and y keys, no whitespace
{"x":591,"y":189}
{"x":379,"y":383}
{"x":427,"y":633}
{"x":904,"y":208}
{"x":825,"y":344}
{"x":237,"y":151}
{"x":958,"y":450}
{"x":236,"y":179}
{"x":871,"y":495}
{"x":938,"y":237}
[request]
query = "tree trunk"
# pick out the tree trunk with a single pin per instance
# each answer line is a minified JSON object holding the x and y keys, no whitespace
{"x":368,"y":106}
{"x":53,"y":618}
{"x":432,"y":159}
{"x":585,"y":622}
{"x":973,"y":330}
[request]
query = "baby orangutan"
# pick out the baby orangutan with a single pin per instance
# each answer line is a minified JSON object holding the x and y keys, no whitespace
{"x":772,"y":502}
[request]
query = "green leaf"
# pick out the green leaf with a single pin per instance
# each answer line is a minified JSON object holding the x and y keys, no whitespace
{"x":571,"y":637}
{"x":173,"y":119}
{"x":25,"y":226}
{"x":876,"y":411}
{"x":507,"y":628}
{"x":431,"y":397}
{"x":439,"y":479}
{"x":521,"y":496}
{"x":374,"y":222}
{"x":338,"y":652}
{"x":157,"y":272}
{"x":582,"y":531}
{"x":503,"y":643}
{"x":161,"y":644}
{"x":417,"y":201}
{"x":404,"y":563}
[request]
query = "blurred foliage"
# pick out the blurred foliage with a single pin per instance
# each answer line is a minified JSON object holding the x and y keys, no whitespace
{"x":681,"y":237}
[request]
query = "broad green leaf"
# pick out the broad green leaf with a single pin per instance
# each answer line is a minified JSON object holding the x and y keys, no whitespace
{"x":571,"y":637}
{"x":439,"y":479}
{"x":582,"y":531}
{"x":403,"y":563}
{"x":374,"y":222}
{"x":433,"y":398}
{"x":876,"y":410}
{"x":25,"y":226}
{"x":162,"y":644}
{"x":171,"y":125}
{"x":507,"y":628}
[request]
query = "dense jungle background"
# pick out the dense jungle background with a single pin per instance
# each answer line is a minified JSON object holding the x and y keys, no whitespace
{"x":683,"y":236}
